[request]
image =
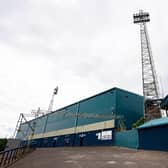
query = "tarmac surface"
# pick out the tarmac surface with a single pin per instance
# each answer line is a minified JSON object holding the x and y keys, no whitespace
{"x":92,"y":157}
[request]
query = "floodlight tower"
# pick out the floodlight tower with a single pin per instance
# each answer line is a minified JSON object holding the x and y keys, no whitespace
{"x":52,"y":100}
{"x":149,"y":77}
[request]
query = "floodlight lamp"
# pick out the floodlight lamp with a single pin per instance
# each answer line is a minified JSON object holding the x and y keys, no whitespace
{"x":141,"y":17}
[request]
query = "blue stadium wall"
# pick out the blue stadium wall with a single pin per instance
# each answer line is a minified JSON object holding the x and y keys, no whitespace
{"x":154,"y":138}
{"x":153,"y":135}
{"x":92,"y":121}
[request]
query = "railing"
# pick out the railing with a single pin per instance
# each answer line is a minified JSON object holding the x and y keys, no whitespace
{"x":10,"y":156}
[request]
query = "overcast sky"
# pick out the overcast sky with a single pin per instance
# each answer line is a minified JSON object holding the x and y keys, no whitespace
{"x":83,"y":46}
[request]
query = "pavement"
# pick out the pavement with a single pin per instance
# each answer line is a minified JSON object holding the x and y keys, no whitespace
{"x":93,"y":157}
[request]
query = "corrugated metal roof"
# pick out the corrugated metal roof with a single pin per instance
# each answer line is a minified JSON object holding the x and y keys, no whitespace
{"x":154,"y":123}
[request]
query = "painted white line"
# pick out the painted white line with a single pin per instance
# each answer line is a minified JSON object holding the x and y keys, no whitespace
{"x":129,"y":163}
{"x":68,"y":161}
{"x":111,"y":162}
{"x":76,"y":157}
{"x":116,"y":156}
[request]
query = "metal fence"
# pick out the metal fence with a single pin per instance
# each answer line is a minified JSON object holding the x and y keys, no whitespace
{"x":10,"y":156}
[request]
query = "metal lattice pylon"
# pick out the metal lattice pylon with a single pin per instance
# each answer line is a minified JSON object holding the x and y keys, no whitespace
{"x":52,"y":100}
{"x":149,"y":77}
{"x":22,"y":119}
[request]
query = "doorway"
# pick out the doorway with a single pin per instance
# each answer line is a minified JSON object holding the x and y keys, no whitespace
{"x":81,"y":141}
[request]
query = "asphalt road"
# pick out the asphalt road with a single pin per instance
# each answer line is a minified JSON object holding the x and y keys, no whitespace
{"x":93,"y":157}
